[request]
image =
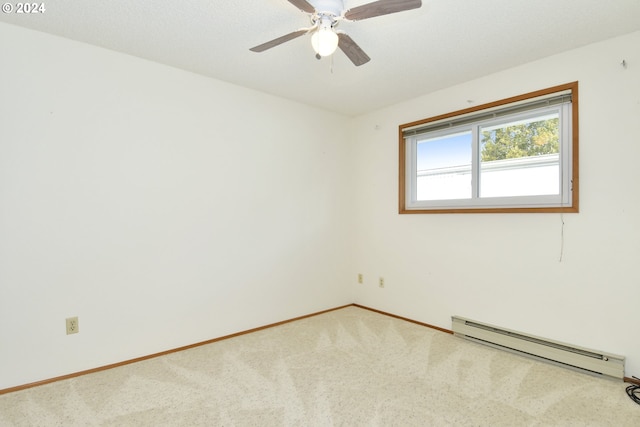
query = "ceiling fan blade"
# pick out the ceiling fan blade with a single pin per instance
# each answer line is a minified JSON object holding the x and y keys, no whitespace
{"x":303,"y":5}
{"x":380,"y":7}
{"x":352,"y":50}
{"x":275,"y":42}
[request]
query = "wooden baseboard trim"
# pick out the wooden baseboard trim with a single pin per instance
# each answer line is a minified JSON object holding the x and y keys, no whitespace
{"x":633,"y":380}
{"x":162,"y":353}
{"x":405,"y":319}
{"x":187,"y":347}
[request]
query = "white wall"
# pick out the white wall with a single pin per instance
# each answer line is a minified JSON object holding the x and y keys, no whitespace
{"x":161,"y":207}
{"x":505,"y":269}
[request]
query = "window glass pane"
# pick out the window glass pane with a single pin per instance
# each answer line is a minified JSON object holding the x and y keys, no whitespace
{"x":521,"y":158}
{"x":443,"y":166}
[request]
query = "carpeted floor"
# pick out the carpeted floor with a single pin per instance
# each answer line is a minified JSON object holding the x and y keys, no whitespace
{"x":349,"y":367}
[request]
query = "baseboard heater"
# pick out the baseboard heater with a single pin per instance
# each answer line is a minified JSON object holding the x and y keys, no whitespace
{"x":582,"y":359}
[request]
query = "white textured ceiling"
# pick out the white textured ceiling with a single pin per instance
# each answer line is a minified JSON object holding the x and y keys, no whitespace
{"x":415,"y":52}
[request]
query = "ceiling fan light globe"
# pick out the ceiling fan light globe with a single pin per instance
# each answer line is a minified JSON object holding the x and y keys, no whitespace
{"x":324,"y":41}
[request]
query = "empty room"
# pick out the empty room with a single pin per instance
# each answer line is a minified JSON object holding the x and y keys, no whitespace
{"x":320,"y":212}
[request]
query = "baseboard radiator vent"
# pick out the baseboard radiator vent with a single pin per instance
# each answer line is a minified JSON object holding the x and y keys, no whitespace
{"x":584,"y":360}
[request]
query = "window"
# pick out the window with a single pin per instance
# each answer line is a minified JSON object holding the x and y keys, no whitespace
{"x":515,"y":155}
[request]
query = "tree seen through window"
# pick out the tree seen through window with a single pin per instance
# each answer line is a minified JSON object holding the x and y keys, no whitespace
{"x":521,"y":140}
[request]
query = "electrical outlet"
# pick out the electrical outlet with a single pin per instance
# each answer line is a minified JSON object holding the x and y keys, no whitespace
{"x":381,"y":282}
{"x":73,"y":327}
{"x":360,"y":278}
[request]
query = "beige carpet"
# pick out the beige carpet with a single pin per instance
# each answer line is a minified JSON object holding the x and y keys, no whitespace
{"x":349,"y":367}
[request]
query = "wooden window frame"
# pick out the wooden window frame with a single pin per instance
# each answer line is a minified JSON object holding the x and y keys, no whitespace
{"x":574,"y":208}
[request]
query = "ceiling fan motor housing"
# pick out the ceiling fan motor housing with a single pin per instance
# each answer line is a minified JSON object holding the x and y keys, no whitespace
{"x":329,"y":7}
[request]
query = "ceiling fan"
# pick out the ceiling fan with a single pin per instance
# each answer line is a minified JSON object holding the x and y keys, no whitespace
{"x":325,"y":17}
